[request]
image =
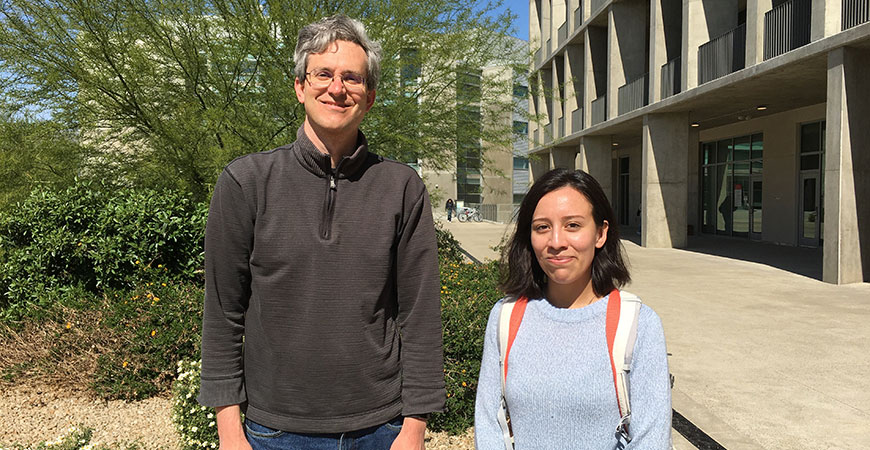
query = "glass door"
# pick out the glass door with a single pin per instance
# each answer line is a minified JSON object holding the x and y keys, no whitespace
{"x":809,"y":222}
{"x":755,"y":194}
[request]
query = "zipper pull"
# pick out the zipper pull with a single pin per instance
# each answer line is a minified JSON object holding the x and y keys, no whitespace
{"x":332,"y":182}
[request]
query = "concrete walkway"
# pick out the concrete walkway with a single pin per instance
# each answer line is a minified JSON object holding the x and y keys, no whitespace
{"x":763,"y":357}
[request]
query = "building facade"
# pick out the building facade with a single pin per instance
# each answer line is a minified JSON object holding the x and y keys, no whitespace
{"x":740,"y":118}
{"x":491,"y":176}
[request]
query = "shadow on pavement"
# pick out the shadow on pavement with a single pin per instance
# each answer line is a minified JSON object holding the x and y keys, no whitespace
{"x":799,"y":260}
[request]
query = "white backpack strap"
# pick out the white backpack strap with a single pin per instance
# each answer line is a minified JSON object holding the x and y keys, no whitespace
{"x":504,"y":318}
{"x":621,"y":356}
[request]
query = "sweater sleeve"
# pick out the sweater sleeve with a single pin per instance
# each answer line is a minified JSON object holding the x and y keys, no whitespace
{"x":487,"y":431}
{"x":419,"y":309}
{"x":228,"y":242}
{"x":650,"y":390}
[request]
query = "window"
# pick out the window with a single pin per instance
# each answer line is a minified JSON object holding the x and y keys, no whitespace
{"x":731,"y":191}
{"x":521,"y":163}
{"x":521,"y":128}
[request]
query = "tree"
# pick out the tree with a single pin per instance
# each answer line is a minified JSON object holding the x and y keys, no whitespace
{"x":171,"y":90}
{"x":36,"y":153}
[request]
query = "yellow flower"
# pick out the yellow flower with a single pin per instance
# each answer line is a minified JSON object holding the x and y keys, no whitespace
{"x":159,"y":266}
{"x":464,"y":384}
{"x":137,"y":261}
{"x":68,"y":325}
{"x":125,"y":364}
{"x":163,"y":284}
{"x":153,"y":332}
{"x":156,"y":299}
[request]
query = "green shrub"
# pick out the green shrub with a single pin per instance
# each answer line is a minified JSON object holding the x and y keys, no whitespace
{"x":448,"y":247}
{"x":468,"y":292}
{"x":96,"y":237}
{"x":156,"y":326}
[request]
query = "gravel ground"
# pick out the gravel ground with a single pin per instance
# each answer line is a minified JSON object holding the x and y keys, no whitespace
{"x":33,"y":414}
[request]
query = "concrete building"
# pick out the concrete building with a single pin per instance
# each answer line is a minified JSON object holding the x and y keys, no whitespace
{"x":490,"y":175}
{"x":742,"y":118}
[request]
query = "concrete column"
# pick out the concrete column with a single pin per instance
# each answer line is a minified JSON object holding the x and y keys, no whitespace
{"x":847,"y":168}
{"x":755,"y":10}
{"x":564,"y":157}
{"x":539,"y":164}
{"x":559,"y":17}
{"x":826,"y":19}
{"x":664,"y":180}
{"x":595,"y":160}
{"x":626,"y":48}
{"x":694,"y":192}
{"x":658,"y":52}
{"x":574,"y":77}
{"x":702,"y":21}
{"x":589,"y":90}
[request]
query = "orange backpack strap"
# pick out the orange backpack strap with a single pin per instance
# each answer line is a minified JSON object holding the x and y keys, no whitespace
{"x":509,"y":319}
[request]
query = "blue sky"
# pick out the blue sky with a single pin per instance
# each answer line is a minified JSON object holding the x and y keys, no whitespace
{"x":520,"y":8}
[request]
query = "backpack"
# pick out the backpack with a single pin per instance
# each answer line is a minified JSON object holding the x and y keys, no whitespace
{"x":621,"y":329}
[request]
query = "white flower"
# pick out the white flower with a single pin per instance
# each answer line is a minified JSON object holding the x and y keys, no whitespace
{"x":194,"y":429}
{"x":209,"y":416}
{"x":211,"y":424}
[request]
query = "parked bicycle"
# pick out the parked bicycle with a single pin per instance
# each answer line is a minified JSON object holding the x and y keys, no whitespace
{"x":466,"y":213}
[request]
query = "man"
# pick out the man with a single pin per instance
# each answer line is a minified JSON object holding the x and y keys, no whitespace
{"x":321,"y":265}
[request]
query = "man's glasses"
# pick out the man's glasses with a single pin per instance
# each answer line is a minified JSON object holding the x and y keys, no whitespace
{"x":322,"y":78}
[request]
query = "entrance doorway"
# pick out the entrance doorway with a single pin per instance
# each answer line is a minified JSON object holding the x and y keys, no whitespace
{"x":810,"y":221}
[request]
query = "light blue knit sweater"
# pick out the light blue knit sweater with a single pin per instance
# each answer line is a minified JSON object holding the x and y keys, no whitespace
{"x":560,"y":385}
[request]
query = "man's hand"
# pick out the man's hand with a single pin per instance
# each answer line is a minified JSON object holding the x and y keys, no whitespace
{"x":230,"y":431}
{"x":412,"y":435}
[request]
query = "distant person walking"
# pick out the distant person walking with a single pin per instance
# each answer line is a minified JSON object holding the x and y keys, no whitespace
{"x":565,"y":266}
{"x":451,"y":209}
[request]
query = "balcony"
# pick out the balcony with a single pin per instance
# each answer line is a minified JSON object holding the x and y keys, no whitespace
{"x":671,"y":81}
{"x":576,"y":120}
{"x":599,"y":109}
{"x":562,"y":34}
{"x":787,"y":27}
{"x":855,"y":12}
{"x":634,"y":94}
{"x":722,"y":55}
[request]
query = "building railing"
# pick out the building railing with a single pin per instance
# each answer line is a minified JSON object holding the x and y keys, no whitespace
{"x":599,"y":109}
{"x":787,"y":27}
{"x":578,"y":16}
{"x":855,"y":12}
{"x":597,"y":4}
{"x":539,"y":56}
{"x":563,"y":34}
{"x":671,"y":81}
{"x":549,"y":48}
{"x":722,"y":55}
{"x":577,"y":120}
{"x":634,"y":94}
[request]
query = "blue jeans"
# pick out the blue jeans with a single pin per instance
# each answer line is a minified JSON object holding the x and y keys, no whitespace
{"x":375,"y":438}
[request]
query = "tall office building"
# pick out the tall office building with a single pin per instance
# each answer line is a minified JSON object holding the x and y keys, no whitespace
{"x":740,"y":118}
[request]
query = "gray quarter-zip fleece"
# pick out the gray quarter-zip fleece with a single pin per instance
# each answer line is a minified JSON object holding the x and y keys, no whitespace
{"x":322,"y":309}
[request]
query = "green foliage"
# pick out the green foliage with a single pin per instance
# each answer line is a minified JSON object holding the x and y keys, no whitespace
{"x":76,"y":438}
{"x":468,"y":292}
{"x":94,"y":237}
{"x":183,"y":87}
{"x":195,"y":424}
{"x":448,"y":247}
{"x":155,"y":326}
{"x":36,"y":153}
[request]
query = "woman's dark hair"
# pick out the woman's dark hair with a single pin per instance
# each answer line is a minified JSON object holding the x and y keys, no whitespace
{"x":521,"y":273}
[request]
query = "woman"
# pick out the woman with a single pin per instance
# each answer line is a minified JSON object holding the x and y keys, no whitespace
{"x":566,"y":258}
{"x":451,"y":208}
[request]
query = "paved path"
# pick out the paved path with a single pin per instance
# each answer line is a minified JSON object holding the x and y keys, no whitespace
{"x":763,"y":357}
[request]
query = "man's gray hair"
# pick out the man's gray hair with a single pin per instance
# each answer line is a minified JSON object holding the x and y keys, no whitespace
{"x":316,"y":38}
